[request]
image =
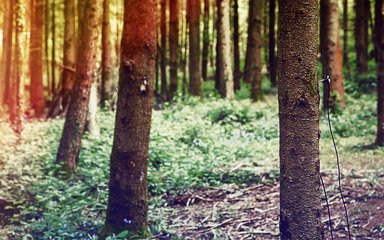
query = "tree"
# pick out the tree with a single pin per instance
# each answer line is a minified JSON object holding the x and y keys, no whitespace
{"x":128,"y":186}
{"x":272,"y":60}
{"x":163,"y":50}
{"x":53,"y":49}
{"x":15,"y":107}
{"x":361,"y":35}
{"x":253,"y":54}
{"x":193,"y":13}
{"x":6,"y":53}
{"x":206,"y":38}
{"x":299,"y":120}
{"x":174,"y":10}
{"x":331,"y":56}
{"x":236,"y":46}
{"x":70,"y":142}
{"x":345,"y":38}
{"x":226,"y":89}
{"x":106,"y":81}
{"x":379,"y":28}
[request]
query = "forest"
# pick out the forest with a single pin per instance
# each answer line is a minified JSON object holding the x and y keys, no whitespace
{"x":191,"y":119}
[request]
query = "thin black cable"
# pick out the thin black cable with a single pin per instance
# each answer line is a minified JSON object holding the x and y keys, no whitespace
{"x":327,"y":83}
{"x":329,"y":211}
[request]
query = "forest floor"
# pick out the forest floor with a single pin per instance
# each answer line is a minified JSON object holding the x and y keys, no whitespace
{"x":213,"y":174}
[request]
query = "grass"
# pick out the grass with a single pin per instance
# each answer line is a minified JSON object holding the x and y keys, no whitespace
{"x":194,"y":144}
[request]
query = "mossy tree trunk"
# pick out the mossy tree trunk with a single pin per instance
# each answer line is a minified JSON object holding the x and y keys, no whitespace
{"x":128,"y":186}
{"x":236,"y":46}
{"x":379,"y":28}
{"x":193,"y":13}
{"x":163,"y":50}
{"x":174,"y":12}
{"x":106,"y":80}
{"x":206,"y":38}
{"x":299,"y":120}
{"x":361,"y":35}
{"x":345,"y":38}
{"x":70,"y":142}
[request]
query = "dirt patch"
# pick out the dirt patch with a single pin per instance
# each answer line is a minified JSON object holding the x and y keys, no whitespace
{"x":252,"y":212}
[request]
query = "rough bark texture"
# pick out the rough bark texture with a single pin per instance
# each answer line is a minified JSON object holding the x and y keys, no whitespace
{"x":18,"y":61}
{"x":76,"y":115}
{"x":254,"y":43}
{"x":379,"y":28}
{"x":163,"y":51}
{"x":193,"y":12}
{"x":63,"y":95}
{"x":6,"y":53}
{"x":331,"y":55}
{"x":345,"y":39}
{"x":236,"y":46}
{"x":128,"y":186}
{"x":226,"y":89}
{"x":106,"y":81}
{"x":204,"y":61}
{"x":272,"y":44}
{"x":361,"y":35}
{"x":36,"y":59}
{"x":299,"y":120}
{"x":174,"y":11}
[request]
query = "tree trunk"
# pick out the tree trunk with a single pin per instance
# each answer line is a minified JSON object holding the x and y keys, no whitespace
{"x":128,"y":186}
{"x":53,"y":50}
{"x":17,"y":83}
{"x":46,"y":47}
{"x":361,"y":35}
{"x":77,"y":110}
{"x":92,"y":124}
{"x":163,"y":50}
{"x":236,"y":47}
{"x":36,"y":59}
{"x":345,"y":39}
{"x":6,"y":75}
{"x":193,"y":12}
{"x":299,"y":120}
{"x":272,"y":44}
{"x":331,"y":55}
{"x":379,"y":28}
{"x":204,"y":62}
{"x":174,"y":10}
{"x":224,"y":42}
{"x":253,"y":56}
{"x":106,"y":81}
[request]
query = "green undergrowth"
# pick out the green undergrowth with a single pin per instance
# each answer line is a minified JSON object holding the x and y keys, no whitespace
{"x":194,"y":144}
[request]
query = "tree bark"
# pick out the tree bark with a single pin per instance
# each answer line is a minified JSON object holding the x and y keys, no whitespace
{"x":299,"y":120}
{"x":236,"y":46}
{"x":331,"y":55}
{"x":379,"y":28}
{"x":163,"y":50}
{"x":106,"y":81}
{"x":46,"y":47}
{"x":92,"y":124}
{"x":18,"y":61}
{"x":174,"y":9}
{"x":193,"y":12}
{"x":36,"y":60}
{"x":204,"y":62}
{"x":226,"y":89}
{"x":53,"y":50}
{"x":6,"y":72}
{"x":272,"y":44}
{"x":345,"y":39}
{"x":76,"y":115}
{"x":254,"y":44}
{"x":128,"y":186}
{"x":361,"y":35}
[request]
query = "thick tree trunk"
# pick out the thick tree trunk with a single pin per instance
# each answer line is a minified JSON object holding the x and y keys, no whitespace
{"x":236,"y":46}
{"x":17,"y":83}
{"x":174,"y":10}
{"x":204,"y":61}
{"x":299,"y":120}
{"x":6,"y":53}
{"x":331,"y":55}
{"x":36,"y":59}
{"x":75,"y":119}
{"x":272,"y":44}
{"x":128,"y":186}
{"x":193,"y":12}
{"x":361,"y":35}
{"x":224,"y":42}
{"x":253,"y":55}
{"x":106,"y":81}
{"x":379,"y":28}
{"x":345,"y":39}
{"x":163,"y":51}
